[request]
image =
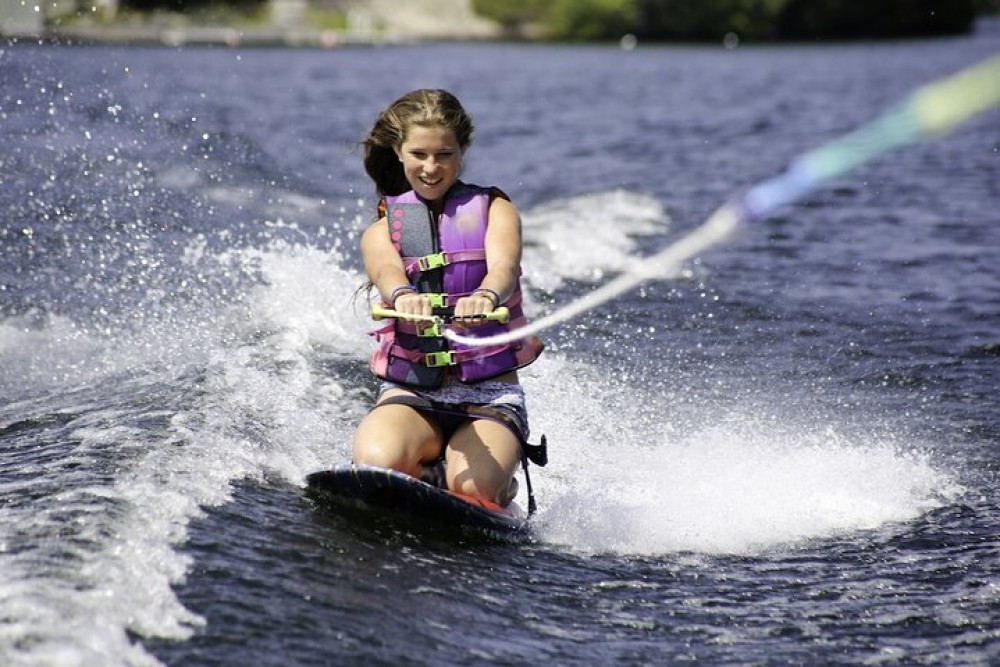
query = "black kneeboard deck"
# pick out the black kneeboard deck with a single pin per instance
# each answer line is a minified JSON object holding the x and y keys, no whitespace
{"x":397,"y":491}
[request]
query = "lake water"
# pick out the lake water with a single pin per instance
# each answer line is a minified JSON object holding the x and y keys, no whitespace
{"x":786,"y":455}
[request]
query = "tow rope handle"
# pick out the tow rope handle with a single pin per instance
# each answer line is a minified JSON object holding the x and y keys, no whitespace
{"x":501,"y":315}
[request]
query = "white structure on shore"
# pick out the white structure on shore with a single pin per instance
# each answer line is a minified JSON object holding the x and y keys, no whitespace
{"x":367,"y":21}
{"x":20,"y":17}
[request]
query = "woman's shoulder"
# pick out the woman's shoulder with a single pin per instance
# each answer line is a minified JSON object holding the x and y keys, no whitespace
{"x":500,"y":202}
{"x":492,"y":191}
{"x":497,"y":193}
{"x":375,"y":227}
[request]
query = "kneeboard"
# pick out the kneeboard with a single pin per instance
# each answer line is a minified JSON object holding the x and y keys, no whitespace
{"x":394,"y":490}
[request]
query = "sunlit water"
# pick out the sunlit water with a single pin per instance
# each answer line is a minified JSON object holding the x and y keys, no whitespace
{"x":786,"y":455}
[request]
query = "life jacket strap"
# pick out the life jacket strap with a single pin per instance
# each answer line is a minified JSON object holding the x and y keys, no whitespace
{"x":431,"y":331}
{"x":439,"y":259}
{"x":455,"y":357}
{"x":439,"y":359}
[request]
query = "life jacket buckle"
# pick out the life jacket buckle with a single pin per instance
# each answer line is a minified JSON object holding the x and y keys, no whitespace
{"x":440,"y":359}
{"x":430,"y":331}
{"x":428,"y":262}
{"x":437,"y":299}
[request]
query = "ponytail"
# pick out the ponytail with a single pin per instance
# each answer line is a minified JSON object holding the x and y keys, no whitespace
{"x":384,"y":167}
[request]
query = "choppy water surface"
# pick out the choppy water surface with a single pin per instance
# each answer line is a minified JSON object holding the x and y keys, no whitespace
{"x":786,"y":455}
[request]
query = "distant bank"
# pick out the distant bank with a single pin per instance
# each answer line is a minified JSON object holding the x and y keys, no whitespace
{"x":333,"y":23}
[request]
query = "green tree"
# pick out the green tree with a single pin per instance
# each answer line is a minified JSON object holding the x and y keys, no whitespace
{"x":591,"y":19}
{"x":512,"y":14}
{"x":698,"y":19}
{"x":818,"y":19}
{"x":987,"y":7}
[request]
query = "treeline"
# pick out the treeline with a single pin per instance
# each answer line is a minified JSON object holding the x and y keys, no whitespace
{"x":748,"y":19}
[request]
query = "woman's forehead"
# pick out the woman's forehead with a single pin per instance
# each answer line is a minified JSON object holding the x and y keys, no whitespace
{"x":430,"y":136}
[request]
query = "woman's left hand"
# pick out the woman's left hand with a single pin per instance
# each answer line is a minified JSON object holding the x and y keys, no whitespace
{"x":474,"y":305}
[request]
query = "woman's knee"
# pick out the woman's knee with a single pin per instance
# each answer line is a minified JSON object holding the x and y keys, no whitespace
{"x":377,"y":447}
{"x":393,"y":439}
{"x":378,"y":452}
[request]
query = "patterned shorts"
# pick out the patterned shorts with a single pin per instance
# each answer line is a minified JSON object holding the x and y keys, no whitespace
{"x":454,"y":403}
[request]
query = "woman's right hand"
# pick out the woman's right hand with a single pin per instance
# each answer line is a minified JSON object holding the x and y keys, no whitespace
{"x":413,"y":303}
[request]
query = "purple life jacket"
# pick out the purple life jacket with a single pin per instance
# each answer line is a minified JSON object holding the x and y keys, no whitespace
{"x":446,"y":260}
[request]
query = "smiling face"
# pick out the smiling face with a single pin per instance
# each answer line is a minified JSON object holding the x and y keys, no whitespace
{"x":432,"y":160}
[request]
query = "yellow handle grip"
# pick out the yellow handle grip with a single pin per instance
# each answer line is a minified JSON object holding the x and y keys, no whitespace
{"x":501,"y":315}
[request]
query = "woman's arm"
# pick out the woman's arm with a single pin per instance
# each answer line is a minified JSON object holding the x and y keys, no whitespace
{"x":385,"y":269}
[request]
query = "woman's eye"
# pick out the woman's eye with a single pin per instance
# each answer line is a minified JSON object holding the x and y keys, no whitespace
{"x":420,"y":155}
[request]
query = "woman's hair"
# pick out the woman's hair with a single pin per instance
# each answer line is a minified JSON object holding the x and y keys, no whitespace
{"x":426,"y":108}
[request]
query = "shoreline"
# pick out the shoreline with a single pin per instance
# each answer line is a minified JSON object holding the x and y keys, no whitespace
{"x":295,"y":35}
{"x":175,"y":36}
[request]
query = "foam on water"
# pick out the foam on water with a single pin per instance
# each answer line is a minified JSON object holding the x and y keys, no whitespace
{"x":725,"y":481}
{"x":40,"y":351}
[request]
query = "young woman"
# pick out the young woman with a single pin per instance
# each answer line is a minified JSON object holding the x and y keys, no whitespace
{"x":439,"y":242}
